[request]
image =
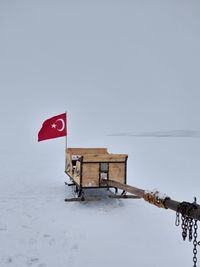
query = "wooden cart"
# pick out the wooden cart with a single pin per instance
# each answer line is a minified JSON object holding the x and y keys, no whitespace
{"x":87,"y":167}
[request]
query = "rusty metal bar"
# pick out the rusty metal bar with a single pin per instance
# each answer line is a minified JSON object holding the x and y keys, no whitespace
{"x":168,"y":203}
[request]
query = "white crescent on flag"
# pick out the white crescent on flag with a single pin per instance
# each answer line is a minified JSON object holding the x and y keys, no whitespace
{"x":63,"y":125}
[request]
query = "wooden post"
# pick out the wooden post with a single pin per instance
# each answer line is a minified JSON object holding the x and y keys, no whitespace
{"x":168,"y":203}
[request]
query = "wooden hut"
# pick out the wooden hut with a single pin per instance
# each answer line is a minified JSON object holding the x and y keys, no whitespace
{"x":87,"y":166}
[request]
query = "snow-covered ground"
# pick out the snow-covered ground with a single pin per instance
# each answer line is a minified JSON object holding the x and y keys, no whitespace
{"x":38,"y":228}
{"x":130,"y":67}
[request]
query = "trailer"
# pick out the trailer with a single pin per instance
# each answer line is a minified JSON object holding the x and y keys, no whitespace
{"x":87,"y":167}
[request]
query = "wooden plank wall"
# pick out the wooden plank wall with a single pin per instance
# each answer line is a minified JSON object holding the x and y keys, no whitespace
{"x":104,"y":158}
{"x":117,"y":172}
{"x":77,"y":173}
{"x":90,"y":175}
{"x":68,"y":164}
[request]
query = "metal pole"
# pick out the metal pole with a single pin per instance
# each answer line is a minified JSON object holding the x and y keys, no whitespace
{"x":66,"y":144}
{"x":66,"y":130}
{"x":167,"y":202}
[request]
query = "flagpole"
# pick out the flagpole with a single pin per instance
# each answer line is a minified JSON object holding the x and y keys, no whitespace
{"x":66,"y":144}
{"x":66,"y":129}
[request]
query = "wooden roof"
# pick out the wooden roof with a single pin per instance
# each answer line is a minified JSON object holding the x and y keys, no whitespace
{"x":96,"y":155}
{"x":83,"y":151}
{"x":105,"y":158}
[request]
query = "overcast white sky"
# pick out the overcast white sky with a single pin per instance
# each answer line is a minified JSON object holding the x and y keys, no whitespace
{"x":121,"y":66}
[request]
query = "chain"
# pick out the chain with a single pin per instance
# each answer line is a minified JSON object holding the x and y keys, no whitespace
{"x":184,"y":226}
{"x":189,"y":225}
{"x":190,"y":229}
{"x":195,"y":243}
{"x":177,"y":222}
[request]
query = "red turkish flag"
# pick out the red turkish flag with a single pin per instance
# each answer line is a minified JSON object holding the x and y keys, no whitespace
{"x":53,"y":128}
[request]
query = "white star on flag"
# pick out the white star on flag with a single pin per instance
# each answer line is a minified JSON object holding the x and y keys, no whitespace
{"x":53,"y":125}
